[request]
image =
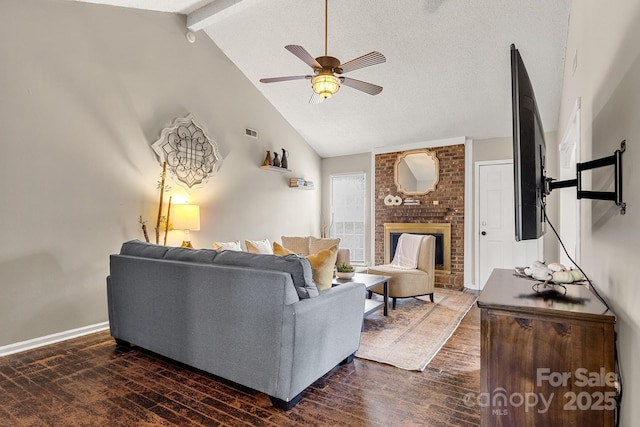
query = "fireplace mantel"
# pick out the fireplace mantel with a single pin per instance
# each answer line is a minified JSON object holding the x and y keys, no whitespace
{"x":443,"y":229}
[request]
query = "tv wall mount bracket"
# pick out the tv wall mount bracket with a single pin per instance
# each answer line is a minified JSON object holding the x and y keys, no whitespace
{"x":615,"y":196}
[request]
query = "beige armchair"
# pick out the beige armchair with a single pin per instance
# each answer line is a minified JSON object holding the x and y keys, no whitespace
{"x":410,"y":283}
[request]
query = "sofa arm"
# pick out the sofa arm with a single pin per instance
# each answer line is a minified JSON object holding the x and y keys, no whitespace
{"x":326,"y":331}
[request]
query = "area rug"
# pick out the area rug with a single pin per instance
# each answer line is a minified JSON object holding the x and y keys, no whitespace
{"x":412,"y":334}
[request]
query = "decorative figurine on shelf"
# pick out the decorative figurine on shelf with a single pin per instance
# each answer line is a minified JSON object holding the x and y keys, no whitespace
{"x":276,"y":160}
{"x":267,"y":160}
{"x":285,"y":162}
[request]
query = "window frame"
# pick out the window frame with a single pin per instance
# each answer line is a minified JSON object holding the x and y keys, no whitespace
{"x":332,"y":228}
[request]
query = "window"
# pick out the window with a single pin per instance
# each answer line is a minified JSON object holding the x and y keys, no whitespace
{"x":348,"y":213}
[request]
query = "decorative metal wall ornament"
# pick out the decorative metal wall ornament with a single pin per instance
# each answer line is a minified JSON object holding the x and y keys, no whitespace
{"x":191,"y":156}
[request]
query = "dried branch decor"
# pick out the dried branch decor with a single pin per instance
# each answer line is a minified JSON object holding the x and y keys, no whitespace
{"x":161,"y":219}
{"x":166,"y":225}
{"x":162,"y":190}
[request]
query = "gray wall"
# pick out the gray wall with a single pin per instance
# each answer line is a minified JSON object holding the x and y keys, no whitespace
{"x":603,"y":37}
{"x":492,"y":149}
{"x":85,"y":90}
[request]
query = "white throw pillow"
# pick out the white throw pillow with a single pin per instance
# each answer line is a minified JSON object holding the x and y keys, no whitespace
{"x":259,"y":246}
{"x":227,"y":246}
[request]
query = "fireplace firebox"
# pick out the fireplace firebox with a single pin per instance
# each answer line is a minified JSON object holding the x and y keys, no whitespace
{"x":441,"y":231}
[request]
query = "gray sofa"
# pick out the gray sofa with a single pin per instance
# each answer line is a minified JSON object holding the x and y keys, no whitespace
{"x":254,"y":319}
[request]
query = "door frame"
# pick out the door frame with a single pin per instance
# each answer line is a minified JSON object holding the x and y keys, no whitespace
{"x":476,"y":216}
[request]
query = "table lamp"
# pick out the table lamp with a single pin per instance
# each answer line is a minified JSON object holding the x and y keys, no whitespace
{"x":186,"y":218}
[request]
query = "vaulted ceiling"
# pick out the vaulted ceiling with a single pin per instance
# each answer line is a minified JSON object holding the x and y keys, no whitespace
{"x":447,"y":69}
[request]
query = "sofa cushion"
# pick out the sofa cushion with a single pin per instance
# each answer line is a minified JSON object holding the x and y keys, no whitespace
{"x":258,"y":246}
{"x":322,"y":265}
{"x":299,"y":268}
{"x":191,"y":255}
{"x":316,"y":245}
{"x":297,"y":245}
{"x":227,"y":246}
{"x":143,"y":249}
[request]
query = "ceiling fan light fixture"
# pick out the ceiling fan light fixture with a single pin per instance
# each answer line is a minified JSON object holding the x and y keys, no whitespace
{"x":325,"y":85}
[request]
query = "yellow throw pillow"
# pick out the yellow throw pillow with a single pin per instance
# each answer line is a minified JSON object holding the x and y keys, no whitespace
{"x":278,"y":249}
{"x":322,"y":265}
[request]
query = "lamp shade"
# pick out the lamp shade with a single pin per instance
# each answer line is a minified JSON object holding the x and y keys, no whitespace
{"x":186,"y":217}
{"x":325,"y":85}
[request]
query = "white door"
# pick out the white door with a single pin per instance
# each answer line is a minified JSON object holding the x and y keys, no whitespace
{"x":496,"y":243}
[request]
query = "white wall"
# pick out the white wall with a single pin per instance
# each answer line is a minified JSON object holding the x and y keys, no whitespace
{"x":603,"y":36}
{"x":85,"y":90}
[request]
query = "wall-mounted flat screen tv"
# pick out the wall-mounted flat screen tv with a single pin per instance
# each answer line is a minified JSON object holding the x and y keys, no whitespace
{"x":528,"y":154}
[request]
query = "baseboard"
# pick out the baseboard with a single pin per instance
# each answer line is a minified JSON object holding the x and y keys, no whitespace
{"x":51,"y":339}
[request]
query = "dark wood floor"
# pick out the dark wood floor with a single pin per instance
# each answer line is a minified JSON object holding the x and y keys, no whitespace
{"x":89,"y":382}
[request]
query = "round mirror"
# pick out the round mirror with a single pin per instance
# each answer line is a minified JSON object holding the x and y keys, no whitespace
{"x":416,"y":172}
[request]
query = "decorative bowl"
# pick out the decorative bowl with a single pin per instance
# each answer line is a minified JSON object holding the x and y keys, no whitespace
{"x":346,"y":276}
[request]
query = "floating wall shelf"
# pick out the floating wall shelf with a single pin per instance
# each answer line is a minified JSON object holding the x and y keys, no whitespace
{"x":275,"y":169}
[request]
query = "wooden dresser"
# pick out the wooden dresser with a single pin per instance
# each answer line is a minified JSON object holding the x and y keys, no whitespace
{"x":546,"y":360}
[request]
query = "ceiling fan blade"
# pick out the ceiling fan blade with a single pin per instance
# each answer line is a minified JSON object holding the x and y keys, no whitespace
{"x":315,"y":99}
{"x":305,"y":56}
{"x":371,"y":58}
{"x":365,"y":87}
{"x":283,"y":79}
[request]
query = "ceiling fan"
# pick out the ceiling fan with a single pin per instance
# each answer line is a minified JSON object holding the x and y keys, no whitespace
{"x":327,"y":71}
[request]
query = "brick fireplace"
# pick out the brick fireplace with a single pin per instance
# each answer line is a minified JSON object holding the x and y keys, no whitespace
{"x":443,"y":206}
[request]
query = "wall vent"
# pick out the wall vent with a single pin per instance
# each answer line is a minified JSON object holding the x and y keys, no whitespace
{"x":251,"y":133}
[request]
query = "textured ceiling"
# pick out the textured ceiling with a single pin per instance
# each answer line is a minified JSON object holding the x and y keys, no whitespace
{"x":447,"y":72}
